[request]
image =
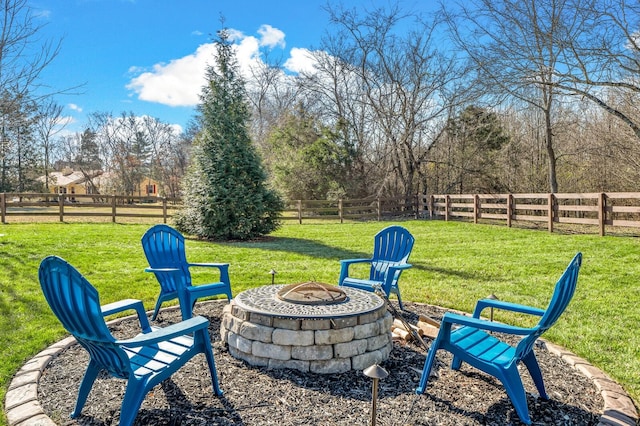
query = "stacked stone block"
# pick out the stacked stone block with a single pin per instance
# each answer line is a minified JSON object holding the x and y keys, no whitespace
{"x":324,"y":345}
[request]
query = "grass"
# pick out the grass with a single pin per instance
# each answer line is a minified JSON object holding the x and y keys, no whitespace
{"x":454,"y":265}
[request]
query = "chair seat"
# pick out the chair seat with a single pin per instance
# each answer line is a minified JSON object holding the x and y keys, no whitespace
{"x":362,"y":284}
{"x":154,"y":359}
{"x":482,"y":346}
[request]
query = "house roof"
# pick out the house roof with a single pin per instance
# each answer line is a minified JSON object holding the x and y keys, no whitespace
{"x":66,"y":178}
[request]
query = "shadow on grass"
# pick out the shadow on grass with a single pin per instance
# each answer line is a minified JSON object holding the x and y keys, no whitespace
{"x":320,"y":250}
{"x":299,"y":246}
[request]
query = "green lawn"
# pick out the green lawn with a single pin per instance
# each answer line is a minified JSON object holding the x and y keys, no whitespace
{"x":454,"y":265}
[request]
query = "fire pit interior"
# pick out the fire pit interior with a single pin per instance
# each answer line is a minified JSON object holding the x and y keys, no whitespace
{"x":312,"y":293}
{"x":308,"y":326}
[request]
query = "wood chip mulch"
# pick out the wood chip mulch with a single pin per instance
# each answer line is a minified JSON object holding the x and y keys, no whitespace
{"x":259,"y":396}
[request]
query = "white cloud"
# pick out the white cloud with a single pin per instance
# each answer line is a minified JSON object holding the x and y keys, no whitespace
{"x":74,"y":107}
{"x":271,"y":37}
{"x":177,"y":83}
{"x":300,"y":60}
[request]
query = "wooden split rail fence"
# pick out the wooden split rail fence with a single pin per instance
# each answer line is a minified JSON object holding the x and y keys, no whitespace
{"x":600,"y":210}
{"x":66,"y":206}
{"x":616,"y":209}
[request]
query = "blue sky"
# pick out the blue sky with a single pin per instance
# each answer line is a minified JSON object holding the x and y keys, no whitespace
{"x":149,"y":56}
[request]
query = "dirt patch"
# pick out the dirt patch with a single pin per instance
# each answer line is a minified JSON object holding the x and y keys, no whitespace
{"x":258,"y":396}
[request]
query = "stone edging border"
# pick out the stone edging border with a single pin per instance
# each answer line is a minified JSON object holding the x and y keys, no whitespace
{"x":23,"y":408}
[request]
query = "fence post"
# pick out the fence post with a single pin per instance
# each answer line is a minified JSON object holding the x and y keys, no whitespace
{"x":61,"y":206}
{"x":447,"y":206}
{"x":113,"y":208}
{"x":602,"y":212}
{"x":418,"y":204}
{"x":340,"y":210}
{"x":379,"y":209}
{"x":509,"y":209}
{"x":432,"y":202}
{"x":300,"y":212}
{"x":164,"y":209}
{"x":476,"y":208}
{"x":551,"y":201}
{"x":3,"y":206}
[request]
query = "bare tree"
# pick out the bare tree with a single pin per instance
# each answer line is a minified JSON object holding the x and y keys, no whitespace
{"x":515,"y":47}
{"x":271,"y":94}
{"x":23,"y":54}
{"x":48,"y":123}
{"x":601,"y":57}
{"x":135,"y":147}
{"x":387,"y":83}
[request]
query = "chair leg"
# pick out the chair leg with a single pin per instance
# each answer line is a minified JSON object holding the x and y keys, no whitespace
{"x":186,"y":305}
{"x":85,"y":387}
{"x":131,"y":402}
{"x":456,"y":363}
{"x":531,"y":363}
{"x":428,"y":365}
{"x":513,"y":385}
{"x":157,"y":308}
{"x":208,"y":352}
{"x":397,"y":292}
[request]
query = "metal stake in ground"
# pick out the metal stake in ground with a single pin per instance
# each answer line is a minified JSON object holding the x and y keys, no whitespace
{"x":376,"y":373}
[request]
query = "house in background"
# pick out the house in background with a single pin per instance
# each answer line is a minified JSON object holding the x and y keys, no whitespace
{"x":95,"y":182}
{"x":109,"y":184}
{"x":72,"y":182}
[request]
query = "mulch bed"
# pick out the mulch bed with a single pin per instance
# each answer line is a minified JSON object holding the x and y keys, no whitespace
{"x":259,"y":396}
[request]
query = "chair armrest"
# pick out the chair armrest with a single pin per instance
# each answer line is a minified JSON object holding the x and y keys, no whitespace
{"x":209,"y":265}
{"x":125,"y":305}
{"x":344,"y":267}
{"x":350,"y":261}
{"x":401,"y":267}
{"x":149,"y":269}
{"x":450,"y":318}
{"x":167,"y":333}
{"x":507,"y":306}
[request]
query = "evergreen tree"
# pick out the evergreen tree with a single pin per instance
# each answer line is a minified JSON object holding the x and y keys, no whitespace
{"x":225,"y":191}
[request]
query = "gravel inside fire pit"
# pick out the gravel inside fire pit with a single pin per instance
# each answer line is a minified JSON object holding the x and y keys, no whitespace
{"x":258,"y":396}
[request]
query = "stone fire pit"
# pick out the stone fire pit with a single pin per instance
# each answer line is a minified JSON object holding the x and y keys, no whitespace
{"x":280,"y":326}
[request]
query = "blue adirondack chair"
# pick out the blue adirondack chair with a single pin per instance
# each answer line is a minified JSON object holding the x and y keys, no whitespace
{"x":391,"y":249}
{"x":144,"y":360}
{"x":471,"y":343}
{"x":165,"y":251}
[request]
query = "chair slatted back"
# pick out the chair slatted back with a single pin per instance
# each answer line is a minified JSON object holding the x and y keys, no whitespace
{"x":76,"y":304}
{"x":562,"y":295}
{"x":392,"y":246}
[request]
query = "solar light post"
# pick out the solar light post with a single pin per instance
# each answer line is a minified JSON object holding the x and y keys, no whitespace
{"x":492,"y":297}
{"x":273,"y":276}
{"x":376,"y":373}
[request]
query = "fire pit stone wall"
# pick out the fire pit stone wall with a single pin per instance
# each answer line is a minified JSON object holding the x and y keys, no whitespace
{"x":318,"y":345}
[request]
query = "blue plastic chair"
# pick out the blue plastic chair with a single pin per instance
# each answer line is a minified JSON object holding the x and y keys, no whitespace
{"x":391,"y":250}
{"x":144,"y":360}
{"x":165,"y":251}
{"x":470,"y":342}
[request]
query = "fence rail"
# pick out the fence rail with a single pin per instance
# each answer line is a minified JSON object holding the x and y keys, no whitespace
{"x":621,"y":209}
{"x":602,"y":210}
{"x":352,"y":209}
{"x":65,"y":206}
